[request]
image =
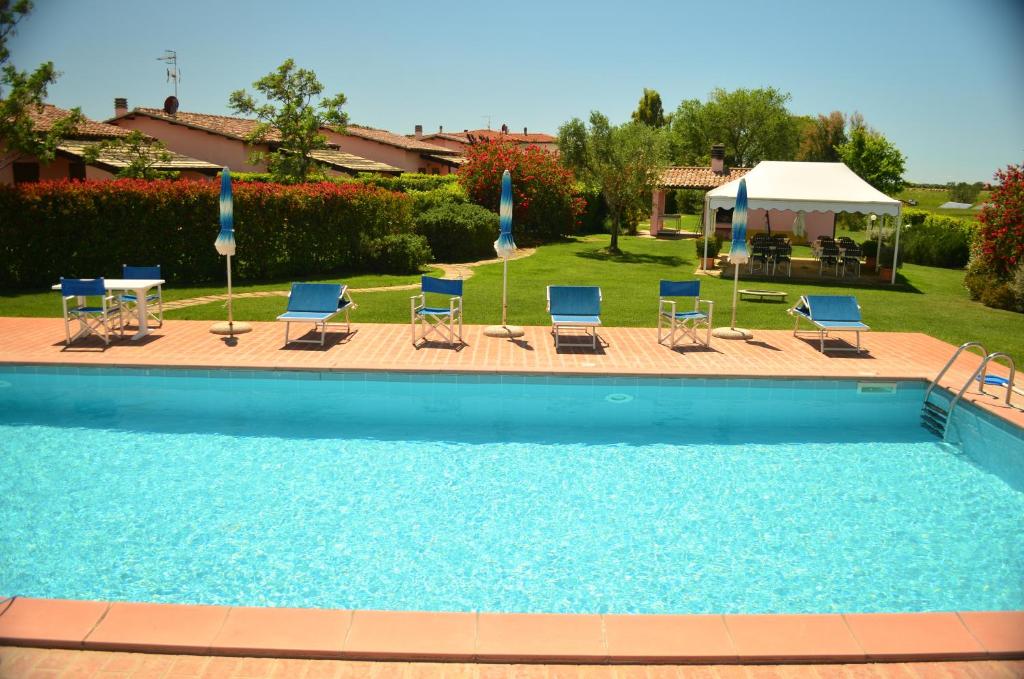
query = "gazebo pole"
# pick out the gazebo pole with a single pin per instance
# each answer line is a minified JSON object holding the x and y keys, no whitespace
{"x":707,"y":206}
{"x":896,"y":247}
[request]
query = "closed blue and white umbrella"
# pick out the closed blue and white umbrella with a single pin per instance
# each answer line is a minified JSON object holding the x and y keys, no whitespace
{"x":505,"y":246}
{"x":738,"y":255}
{"x":225,"y":245}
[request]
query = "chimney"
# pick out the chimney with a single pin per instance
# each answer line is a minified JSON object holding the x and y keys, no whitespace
{"x":718,"y":158}
{"x":120,"y":106}
{"x":504,"y":128}
{"x":419,"y":131}
{"x":525,"y":132}
{"x":440,"y":129}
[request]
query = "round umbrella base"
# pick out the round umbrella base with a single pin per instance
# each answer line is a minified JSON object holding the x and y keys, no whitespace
{"x":230,"y":329}
{"x":506,"y":331}
{"x":732,"y":333}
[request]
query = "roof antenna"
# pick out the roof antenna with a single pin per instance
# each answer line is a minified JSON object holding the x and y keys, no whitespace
{"x":488,"y":118}
{"x":170,"y":58}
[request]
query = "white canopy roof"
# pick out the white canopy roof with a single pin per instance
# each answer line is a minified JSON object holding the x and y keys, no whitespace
{"x":811,"y":187}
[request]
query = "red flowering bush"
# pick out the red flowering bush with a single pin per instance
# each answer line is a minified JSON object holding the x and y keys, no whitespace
{"x":545,"y":200}
{"x":1002,"y":222}
{"x":63,"y":228}
{"x":998,"y":255}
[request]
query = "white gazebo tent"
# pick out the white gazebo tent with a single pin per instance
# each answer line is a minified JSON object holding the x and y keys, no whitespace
{"x":807,"y":187}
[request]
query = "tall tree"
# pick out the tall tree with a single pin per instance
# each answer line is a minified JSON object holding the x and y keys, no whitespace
{"x":819,"y":140}
{"x":649,"y":111}
{"x":623,"y":161}
{"x":294,"y":117}
{"x":23,"y":93}
{"x":874,"y":158}
{"x":754,"y":125}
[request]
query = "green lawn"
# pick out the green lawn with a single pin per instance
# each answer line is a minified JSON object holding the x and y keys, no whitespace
{"x":931,"y":199}
{"x":929,"y":300}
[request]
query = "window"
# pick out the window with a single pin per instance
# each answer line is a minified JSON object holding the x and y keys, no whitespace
{"x":26,"y":172}
{"x":76,"y":170}
{"x":422,"y":170}
{"x":433,"y":170}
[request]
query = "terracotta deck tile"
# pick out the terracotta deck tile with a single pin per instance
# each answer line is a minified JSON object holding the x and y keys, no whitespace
{"x":283,"y":632}
{"x":913,"y":635}
{"x":808,"y":637}
{"x":658,"y":638}
{"x":158,"y":627}
{"x":50,"y":622}
{"x":1000,"y":632}
{"x":526,"y":637}
{"x":381,"y":635}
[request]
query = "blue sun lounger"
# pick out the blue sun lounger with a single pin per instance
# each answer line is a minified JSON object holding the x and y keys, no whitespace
{"x":830,"y":313}
{"x":575,"y":306}
{"x":316,"y":303}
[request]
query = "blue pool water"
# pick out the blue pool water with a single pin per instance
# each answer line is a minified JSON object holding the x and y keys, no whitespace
{"x":499,"y":493}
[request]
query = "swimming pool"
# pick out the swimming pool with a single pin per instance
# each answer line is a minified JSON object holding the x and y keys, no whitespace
{"x":502,"y":493}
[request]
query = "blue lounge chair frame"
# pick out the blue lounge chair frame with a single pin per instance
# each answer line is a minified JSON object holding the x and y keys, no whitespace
{"x":829,"y":314}
{"x":574,"y":307}
{"x":93,"y":320}
{"x":445,"y":321}
{"x":128,"y":299}
{"x":685,"y":323}
{"x":316,"y":303}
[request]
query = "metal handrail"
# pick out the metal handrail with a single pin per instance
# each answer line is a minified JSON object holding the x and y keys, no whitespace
{"x":1013,"y":373}
{"x":956,"y":354}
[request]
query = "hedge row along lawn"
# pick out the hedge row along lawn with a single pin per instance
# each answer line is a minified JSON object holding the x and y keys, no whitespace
{"x":929,"y":300}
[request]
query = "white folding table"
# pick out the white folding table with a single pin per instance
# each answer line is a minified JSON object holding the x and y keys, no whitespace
{"x":141,"y":288}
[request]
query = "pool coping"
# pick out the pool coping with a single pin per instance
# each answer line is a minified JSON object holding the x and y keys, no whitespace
{"x":511,"y":637}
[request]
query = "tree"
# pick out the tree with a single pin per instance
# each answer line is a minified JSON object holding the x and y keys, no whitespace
{"x":295,"y":118}
{"x":649,"y":110}
{"x":1001,"y":236}
{"x":962,"y":192}
{"x":140,"y":152}
{"x":874,"y":158}
{"x":22,"y":93}
{"x":818,"y":141}
{"x":545,"y":202}
{"x":754,"y":125}
{"x":624,"y":162}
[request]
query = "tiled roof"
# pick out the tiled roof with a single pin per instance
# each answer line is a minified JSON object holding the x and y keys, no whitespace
{"x":530,"y":138}
{"x":348,"y":161}
{"x":116,"y":159}
{"x":689,"y":177}
{"x":392,"y":139}
{"x":228,"y":126}
{"x":448,"y":160}
{"x":461,"y":138}
{"x":43,"y":120}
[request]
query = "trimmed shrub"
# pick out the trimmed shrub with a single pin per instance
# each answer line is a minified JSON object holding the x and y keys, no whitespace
{"x":87,"y":229}
{"x":459,"y":232}
{"x":452,"y":194}
{"x":714,"y":246}
{"x":545,"y":203}
{"x":404,"y":183}
{"x":938,"y":241}
{"x":399,"y":253}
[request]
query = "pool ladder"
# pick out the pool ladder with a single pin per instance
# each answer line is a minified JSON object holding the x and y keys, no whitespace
{"x":934,"y":417}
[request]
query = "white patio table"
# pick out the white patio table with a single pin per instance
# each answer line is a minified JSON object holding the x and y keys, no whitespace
{"x":141,"y":289}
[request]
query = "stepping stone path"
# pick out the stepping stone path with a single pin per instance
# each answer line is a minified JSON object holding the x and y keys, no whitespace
{"x":463,"y":271}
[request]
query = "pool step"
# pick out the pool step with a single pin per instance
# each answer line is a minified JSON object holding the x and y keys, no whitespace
{"x":934,"y":418}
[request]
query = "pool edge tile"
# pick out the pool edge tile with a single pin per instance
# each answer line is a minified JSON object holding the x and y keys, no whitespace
{"x":50,"y":623}
{"x":179,"y":628}
{"x":532,"y":637}
{"x":1000,"y":633}
{"x":793,"y":637}
{"x":411,"y":635}
{"x":667,"y":639}
{"x":282,"y":632}
{"x":914,"y":636}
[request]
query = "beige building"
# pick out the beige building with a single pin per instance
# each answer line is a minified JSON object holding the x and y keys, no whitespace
{"x":70,"y":162}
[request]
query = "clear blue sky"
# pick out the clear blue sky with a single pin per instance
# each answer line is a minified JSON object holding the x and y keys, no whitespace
{"x":943,"y":79}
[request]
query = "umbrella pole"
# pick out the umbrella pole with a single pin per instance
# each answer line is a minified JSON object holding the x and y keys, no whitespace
{"x":231,"y":320}
{"x":504,"y":295}
{"x":735,"y":287}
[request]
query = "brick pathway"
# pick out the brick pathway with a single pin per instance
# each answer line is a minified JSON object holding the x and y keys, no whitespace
{"x":463,"y":271}
{"x":32,"y":663}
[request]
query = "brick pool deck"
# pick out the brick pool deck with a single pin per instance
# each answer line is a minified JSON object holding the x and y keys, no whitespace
{"x":590,"y":640}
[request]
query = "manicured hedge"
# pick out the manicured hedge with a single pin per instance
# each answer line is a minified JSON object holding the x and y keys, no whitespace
{"x":87,"y":229}
{"x":459,"y":232}
{"x":410,"y":181}
{"x":935,"y":240}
